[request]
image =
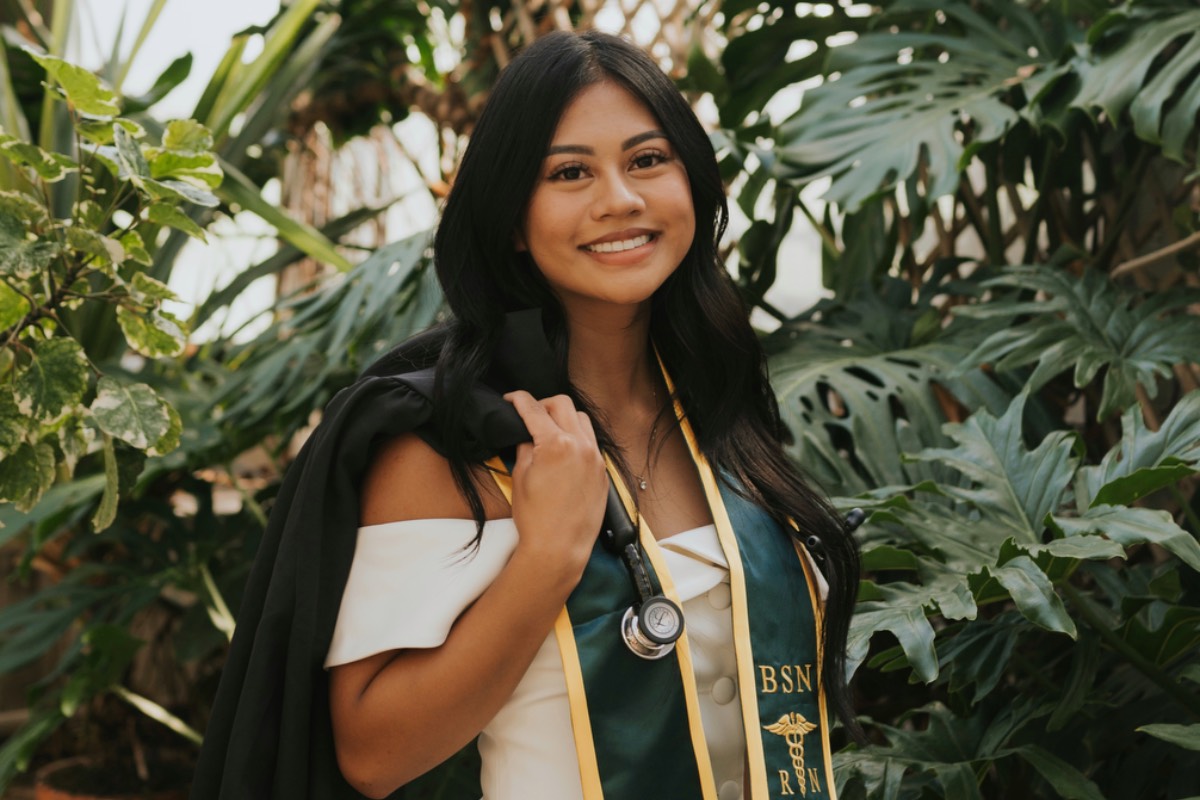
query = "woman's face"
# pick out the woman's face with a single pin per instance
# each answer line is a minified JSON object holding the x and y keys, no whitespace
{"x":611,"y":214}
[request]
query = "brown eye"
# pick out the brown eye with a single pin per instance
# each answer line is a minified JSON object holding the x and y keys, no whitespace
{"x":648,"y":160}
{"x":567,"y":172}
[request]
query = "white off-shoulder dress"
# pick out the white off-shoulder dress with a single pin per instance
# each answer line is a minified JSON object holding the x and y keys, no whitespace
{"x":410,"y":581}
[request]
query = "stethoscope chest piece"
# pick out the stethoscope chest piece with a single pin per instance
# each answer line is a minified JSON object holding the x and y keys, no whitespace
{"x":650,"y":631}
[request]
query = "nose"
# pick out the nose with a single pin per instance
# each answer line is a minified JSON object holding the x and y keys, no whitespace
{"x":617,"y":196}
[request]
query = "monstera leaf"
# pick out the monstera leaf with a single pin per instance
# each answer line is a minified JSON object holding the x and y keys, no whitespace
{"x":861,"y":387}
{"x":897,"y":100}
{"x":1143,"y":58}
{"x":1086,"y":324}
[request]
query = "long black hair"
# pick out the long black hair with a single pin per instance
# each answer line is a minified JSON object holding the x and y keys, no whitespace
{"x":699,"y":324}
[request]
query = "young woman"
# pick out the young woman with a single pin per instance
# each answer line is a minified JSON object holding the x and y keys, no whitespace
{"x":475,"y":600}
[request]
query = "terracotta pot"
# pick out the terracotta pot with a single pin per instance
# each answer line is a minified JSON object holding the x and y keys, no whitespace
{"x":78,"y":779}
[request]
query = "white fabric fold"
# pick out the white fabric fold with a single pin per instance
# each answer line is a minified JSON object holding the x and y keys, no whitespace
{"x":695,"y":561}
{"x":410,"y":580}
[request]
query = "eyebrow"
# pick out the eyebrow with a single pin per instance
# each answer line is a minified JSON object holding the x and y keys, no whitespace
{"x":632,"y":141}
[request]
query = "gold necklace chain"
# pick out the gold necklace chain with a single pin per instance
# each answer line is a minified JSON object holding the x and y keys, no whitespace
{"x":643,"y":482}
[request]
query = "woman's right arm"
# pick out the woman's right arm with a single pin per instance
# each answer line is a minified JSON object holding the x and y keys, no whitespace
{"x":399,"y":713}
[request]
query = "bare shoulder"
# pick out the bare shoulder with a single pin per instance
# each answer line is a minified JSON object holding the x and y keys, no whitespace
{"x":408,"y":479}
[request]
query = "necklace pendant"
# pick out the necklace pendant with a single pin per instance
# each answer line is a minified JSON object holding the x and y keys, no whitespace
{"x":642,"y":484}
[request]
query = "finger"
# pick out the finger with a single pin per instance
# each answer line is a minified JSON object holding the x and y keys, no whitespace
{"x":588,"y":431}
{"x":536,"y":418}
{"x":524,"y":457}
{"x":562,"y":410}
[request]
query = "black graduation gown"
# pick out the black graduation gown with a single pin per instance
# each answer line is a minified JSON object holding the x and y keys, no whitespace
{"x":270,"y":735}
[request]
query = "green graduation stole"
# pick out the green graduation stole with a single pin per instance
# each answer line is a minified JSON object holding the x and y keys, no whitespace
{"x":645,"y":737}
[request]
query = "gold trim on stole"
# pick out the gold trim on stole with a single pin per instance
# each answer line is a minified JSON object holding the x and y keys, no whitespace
{"x":581,"y":721}
{"x":819,"y":619}
{"x":708,"y":783}
{"x":748,"y":691}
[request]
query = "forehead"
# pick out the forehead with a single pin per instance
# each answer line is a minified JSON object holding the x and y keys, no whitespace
{"x":602,"y":112}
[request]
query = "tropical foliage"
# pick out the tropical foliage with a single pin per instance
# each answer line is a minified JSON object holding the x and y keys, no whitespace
{"x":1002,"y":375}
{"x":1012,"y":190}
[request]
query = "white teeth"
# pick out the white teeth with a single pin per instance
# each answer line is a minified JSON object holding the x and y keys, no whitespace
{"x":618,"y":247}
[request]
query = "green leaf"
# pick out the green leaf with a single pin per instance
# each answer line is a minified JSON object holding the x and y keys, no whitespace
{"x":175,"y":73}
{"x":169,"y":440}
{"x":888,"y":558}
{"x":1186,"y":736}
{"x":1145,"y":460}
{"x":108,"y":651}
{"x":13,"y":307}
{"x":240,"y":190}
{"x":248,"y":80}
{"x":29,"y":212}
{"x":880,"y":117}
{"x":181,"y":192}
{"x":135,"y":248}
{"x":101,"y":132}
{"x":166,"y":214}
{"x":200,"y":168}
{"x":187,"y":136}
{"x":1068,"y":782}
{"x":1130,"y":526}
{"x":13,"y":424}
{"x":130,"y":156}
{"x":1086,"y":324}
{"x":159,"y":714}
{"x":1033,"y":594}
{"x":103,"y":252}
{"x":50,"y":167}
{"x":152,"y":333}
{"x":74,"y":440}
{"x":19,"y":748}
{"x":83,"y":90}
{"x":20,"y":257}
{"x":1164,"y":636}
{"x":133,"y":412}
{"x":910,"y":627}
{"x":53,"y":383}
{"x":26,"y":474}
{"x":148,"y":290}
{"x":1016,"y":487}
{"x":1144,"y":62}
{"x":106,"y":512}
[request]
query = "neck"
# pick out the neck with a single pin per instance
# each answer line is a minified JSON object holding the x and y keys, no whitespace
{"x":611,"y":362}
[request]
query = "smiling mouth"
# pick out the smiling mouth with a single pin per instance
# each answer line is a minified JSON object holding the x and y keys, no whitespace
{"x":621,"y":246}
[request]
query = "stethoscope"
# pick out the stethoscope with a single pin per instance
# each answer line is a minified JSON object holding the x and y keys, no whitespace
{"x":651,"y":626}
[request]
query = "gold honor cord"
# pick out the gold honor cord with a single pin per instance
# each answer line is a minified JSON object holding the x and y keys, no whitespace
{"x":564,"y":635}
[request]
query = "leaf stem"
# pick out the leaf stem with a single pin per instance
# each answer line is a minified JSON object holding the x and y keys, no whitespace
{"x":1158,"y":255}
{"x":1186,"y":507}
{"x":1138,"y":661}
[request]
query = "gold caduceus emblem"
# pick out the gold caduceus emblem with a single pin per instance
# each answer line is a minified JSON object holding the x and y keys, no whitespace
{"x":793,"y":727}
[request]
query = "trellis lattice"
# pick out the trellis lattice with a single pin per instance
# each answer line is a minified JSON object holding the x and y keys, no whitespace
{"x":667,"y":29}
